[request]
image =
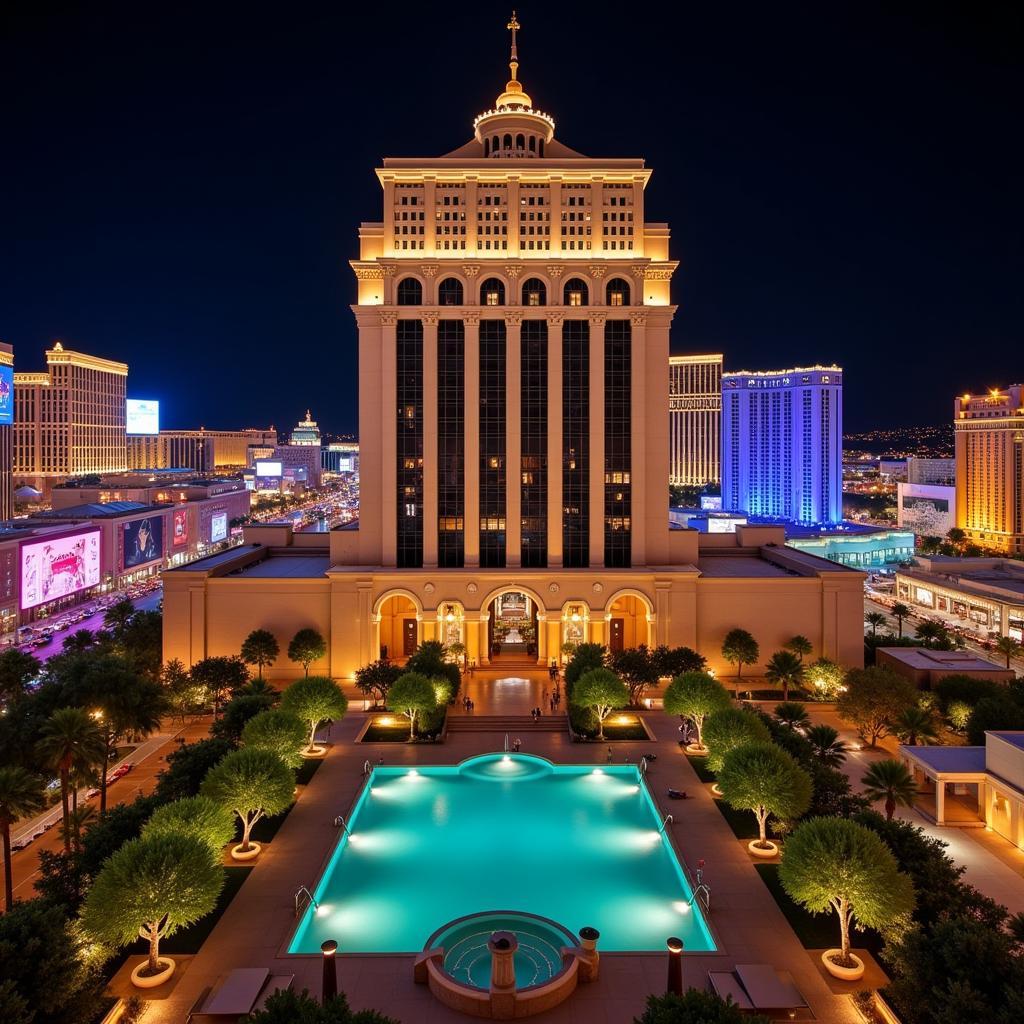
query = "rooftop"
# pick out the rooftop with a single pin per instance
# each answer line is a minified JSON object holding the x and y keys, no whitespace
{"x":1015,"y":739}
{"x":97,"y":510}
{"x":952,"y":760}
{"x":738,"y":567}
{"x":991,"y":578}
{"x":923,"y":658}
{"x":290,"y":567}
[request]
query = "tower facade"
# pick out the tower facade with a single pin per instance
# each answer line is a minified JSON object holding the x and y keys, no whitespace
{"x":782,"y":443}
{"x":6,"y":431}
{"x":695,"y":419}
{"x":988,"y":434}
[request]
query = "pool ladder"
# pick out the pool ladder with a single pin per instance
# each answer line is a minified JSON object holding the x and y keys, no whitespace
{"x":701,"y":890}
{"x":309,"y":896}
{"x":668,"y":820}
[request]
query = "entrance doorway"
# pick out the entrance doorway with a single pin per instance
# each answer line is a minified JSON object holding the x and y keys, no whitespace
{"x":512,"y":626}
{"x":616,"y":635}
{"x":408,"y":637}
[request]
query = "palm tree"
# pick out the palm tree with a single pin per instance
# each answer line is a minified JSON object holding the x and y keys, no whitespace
{"x":914,"y":725}
{"x":890,"y":780}
{"x":874,"y":620}
{"x":956,"y":536}
{"x":828,"y":747}
{"x":69,"y":739}
{"x":1008,"y":646}
{"x":784,"y":669}
{"x":799,"y":645}
{"x":21,"y":793}
{"x":792,"y":713}
{"x":932,"y":632}
{"x":901,"y":611}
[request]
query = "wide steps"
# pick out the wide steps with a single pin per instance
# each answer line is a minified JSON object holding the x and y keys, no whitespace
{"x":511,"y":724}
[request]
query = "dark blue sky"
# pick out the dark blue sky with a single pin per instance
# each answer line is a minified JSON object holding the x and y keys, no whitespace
{"x":181,"y":188}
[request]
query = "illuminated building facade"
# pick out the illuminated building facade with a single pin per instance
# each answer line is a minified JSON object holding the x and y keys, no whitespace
{"x":988,"y":434}
{"x":205,"y":451}
{"x":782,"y":443}
{"x":695,"y":419}
{"x":70,"y":420}
{"x":513,"y":314}
{"x":306,"y":432}
{"x":6,"y":431}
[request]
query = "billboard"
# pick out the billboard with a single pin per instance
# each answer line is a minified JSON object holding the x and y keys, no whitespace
{"x":143,"y":541}
{"x":218,"y":527}
{"x":142,"y":416}
{"x":51,"y":569}
{"x":179,"y":528}
{"x":269,"y":467}
{"x":6,"y":395}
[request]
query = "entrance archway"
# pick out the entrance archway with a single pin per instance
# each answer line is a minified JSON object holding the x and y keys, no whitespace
{"x":512,"y":626}
{"x":629,"y":620}
{"x":398,"y":622}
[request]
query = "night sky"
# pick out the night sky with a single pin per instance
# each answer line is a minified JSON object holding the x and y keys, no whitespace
{"x":181,"y":188}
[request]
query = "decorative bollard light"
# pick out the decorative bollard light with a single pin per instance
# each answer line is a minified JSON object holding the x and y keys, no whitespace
{"x":675,"y":966}
{"x":330,"y":982}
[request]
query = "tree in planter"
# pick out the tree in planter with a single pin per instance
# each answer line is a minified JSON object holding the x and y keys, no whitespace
{"x":195,"y":816}
{"x":21,"y":793}
{"x":874,"y":620}
{"x":695,"y":1006}
{"x":900,"y":612}
{"x":280,"y":732}
{"x":151,"y":888}
{"x":695,"y":695}
{"x":800,"y":646}
{"x":286,"y":1006}
{"x":1010,"y":648}
{"x":376,"y":679}
{"x":412,"y":695}
{"x":260,"y":648}
{"x":600,"y":690}
{"x":637,"y":668}
{"x":739,"y":648}
{"x":314,"y":700}
{"x":306,"y":647}
{"x":826,"y":679}
{"x":784,"y":669}
{"x":829,"y":749}
{"x":584,"y":658}
{"x":70,"y":739}
{"x":892,"y":781}
{"x":730,"y":728}
{"x":915,"y":725}
{"x":837,"y":864}
{"x":873,"y":699}
{"x":430,"y":659}
{"x":251,"y":783}
{"x":792,"y":714}
{"x":763,"y":778}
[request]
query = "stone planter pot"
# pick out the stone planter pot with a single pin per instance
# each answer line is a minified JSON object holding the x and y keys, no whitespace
{"x":854,"y":973}
{"x":140,"y":980}
{"x":693,"y":748}
{"x":716,"y":789}
{"x":767,"y":851}
{"x":315,"y":751}
{"x":237,"y":853}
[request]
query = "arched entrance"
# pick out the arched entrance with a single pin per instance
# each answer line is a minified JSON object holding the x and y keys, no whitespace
{"x":629,"y":621}
{"x":512,"y":626}
{"x":398,"y":626}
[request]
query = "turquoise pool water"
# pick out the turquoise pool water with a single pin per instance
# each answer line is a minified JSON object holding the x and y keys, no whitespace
{"x":576,"y":844}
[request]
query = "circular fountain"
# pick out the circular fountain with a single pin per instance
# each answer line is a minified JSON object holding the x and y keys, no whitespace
{"x":506,"y":767}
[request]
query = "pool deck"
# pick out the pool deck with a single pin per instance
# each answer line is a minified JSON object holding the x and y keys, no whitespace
{"x":255,"y":929}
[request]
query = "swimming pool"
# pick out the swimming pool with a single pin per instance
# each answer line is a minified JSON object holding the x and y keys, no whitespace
{"x":574,"y":843}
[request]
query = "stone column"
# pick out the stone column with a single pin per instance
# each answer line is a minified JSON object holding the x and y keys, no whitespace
{"x":485,"y":648}
{"x":596,"y":219}
{"x":597,"y":322}
{"x":471,"y":383}
{"x":513,"y":439}
{"x":430,"y":439}
{"x":471,"y":201}
{"x":429,"y":218}
{"x":555,"y":218}
{"x":940,"y":802}
{"x":639,"y":400}
{"x":554,"y":440}
{"x":513,"y":217}
{"x":388,"y":472}
{"x":542,"y":639}
{"x":389,"y":217}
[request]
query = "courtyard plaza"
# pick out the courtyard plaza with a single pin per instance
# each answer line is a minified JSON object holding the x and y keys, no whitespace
{"x":257,"y":926}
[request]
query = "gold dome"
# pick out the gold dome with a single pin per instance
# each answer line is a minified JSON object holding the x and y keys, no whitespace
{"x":513,"y":96}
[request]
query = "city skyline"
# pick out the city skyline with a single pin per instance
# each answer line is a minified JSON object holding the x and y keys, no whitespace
{"x":774,"y":145}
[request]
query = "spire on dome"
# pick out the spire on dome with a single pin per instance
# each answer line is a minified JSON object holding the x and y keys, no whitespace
{"x":514,"y":26}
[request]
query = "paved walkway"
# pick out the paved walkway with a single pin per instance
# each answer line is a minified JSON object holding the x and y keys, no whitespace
{"x":257,"y":926}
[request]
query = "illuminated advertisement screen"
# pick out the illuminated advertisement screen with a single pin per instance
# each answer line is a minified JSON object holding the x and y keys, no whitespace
{"x":142,"y":416}
{"x":179,"y":530}
{"x":51,"y":569}
{"x":269,"y":467}
{"x":143,"y":541}
{"x":6,"y":394}
{"x":218,"y":527}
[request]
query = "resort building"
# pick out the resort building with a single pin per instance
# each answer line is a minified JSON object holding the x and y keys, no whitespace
{"x":695,"y":419}
{"x":985,"y":594}
{"x":6,"y":431}
{"x":988,"y":433}
{"x":340,"y":457}
{"x":204,"y":451}
{"x":782,"y":443}
{"x":925,"y":667}
{"x":513,"y":308}
{"x":938,"y":472}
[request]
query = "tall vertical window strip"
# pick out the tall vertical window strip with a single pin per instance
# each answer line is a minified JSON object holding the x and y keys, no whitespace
{"x":534,"y":444}
{"x":617,"y":405}
{"x":409,"y":383}
{"x":576,"y":444}
{"x":492,"y":444}
{"x":451,"y":450}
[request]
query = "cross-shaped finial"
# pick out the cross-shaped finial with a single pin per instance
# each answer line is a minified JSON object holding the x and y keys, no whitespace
{"x":514,"y":26}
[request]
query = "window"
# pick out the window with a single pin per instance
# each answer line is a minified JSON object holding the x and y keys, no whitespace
{"x":534,"y":292}
{"x":576,"y":444}
{"x":534,"y":444}
{"x":618,"y":292}
{"x":492,"y":444}
{"x":409,"y":383}
{"x":576,"y":293}
{"x":449,"y":292}
{"x":617,"y":467}
{"x":450,"y":443}
{"x":410,"y":292}
{"x":492,"y":292}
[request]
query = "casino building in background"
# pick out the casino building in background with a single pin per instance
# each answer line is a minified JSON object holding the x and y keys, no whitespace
{"x":695,"y":419}
{"x":6,"y":431}
{"x":782,"y":443}
{"x":513,"y":308}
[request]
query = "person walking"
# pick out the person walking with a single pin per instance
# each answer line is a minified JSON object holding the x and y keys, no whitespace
{"x":517,"y":744}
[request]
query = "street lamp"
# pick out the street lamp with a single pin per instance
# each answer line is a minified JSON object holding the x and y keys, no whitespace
{"x":675,"y":966}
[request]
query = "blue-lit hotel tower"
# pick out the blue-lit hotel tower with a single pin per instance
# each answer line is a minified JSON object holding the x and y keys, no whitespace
{"x":782,"y":443}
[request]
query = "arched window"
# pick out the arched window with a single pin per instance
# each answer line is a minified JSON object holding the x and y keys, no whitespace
{"x":520,"y":142}
{"x":507,"y":142}
{"x":487,"y":146}
{"x":540,"y":147}
{"x":576,"y":292}
{"x":492,"y":292}
{"x":618,"y":292}
{"x":534,"y":292}
{"x":410,"y":292}
{"x":533,"y":143}
{"x":449,"y":292}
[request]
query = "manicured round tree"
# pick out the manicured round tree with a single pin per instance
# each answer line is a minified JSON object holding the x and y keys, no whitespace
{"x":196,"y":816}
{"x":837,"y":864}
{"x":892,"y":781}
{"x":763,"y":778}
{"x":306,"y":647}
{"x":314,"y":700}
{"x":602,"y":691}
{"x":740,"y":648}
{"x":150,"y":888}
{"x":251,"y":783}
{"x":412,"y":695}
{"x":695,"y":695}
{"x":21,"y":793}
{"x":730,"y":728}
{"x":280,"y":732}
{"x":260,"y":648}
{"x":826,"y":679}
{"x":376,"y":679}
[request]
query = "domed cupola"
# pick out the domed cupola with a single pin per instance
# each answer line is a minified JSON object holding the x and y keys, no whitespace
{"x":513,"y":129}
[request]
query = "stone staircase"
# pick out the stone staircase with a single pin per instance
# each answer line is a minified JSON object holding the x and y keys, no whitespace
{"x":512,"y":724}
